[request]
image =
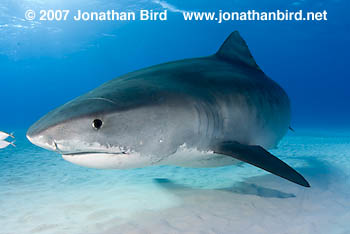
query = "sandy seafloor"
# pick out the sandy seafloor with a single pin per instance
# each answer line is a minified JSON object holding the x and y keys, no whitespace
{"x":41,"y":193}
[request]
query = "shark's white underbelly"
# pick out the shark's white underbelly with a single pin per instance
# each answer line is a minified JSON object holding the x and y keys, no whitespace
{"x":193,"y":157}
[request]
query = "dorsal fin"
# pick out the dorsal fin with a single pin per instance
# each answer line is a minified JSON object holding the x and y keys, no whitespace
{"x":235,"y":49}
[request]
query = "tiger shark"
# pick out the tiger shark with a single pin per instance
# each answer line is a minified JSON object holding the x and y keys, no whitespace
{"x":201,"y":112}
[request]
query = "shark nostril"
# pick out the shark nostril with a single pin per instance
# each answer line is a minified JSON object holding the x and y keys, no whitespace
{"x":55,"y":144}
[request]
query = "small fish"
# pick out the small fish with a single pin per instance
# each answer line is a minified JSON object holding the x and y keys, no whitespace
{"x":4,"y":135}
{"x":4,"y":144}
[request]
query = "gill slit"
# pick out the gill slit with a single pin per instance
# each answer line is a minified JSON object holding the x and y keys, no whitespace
{"x":208,"y":121}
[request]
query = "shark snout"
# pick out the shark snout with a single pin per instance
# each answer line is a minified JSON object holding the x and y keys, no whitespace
{"x":42,"y":140}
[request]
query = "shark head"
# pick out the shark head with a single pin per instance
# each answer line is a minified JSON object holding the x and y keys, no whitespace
{"x":114,"y":128}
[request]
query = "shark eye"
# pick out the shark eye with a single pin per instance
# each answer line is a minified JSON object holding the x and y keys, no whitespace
{"x":97,"y":124}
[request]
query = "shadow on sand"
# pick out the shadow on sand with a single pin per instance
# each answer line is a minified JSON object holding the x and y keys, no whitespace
{"x":319,"y":173}
{"x":238,"y":188}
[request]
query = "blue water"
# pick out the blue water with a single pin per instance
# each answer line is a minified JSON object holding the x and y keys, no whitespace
{"x":45,"y":64}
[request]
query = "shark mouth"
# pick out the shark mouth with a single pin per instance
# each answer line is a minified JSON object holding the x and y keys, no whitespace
{"x":96,"y":153}
{"x":104,"y":151}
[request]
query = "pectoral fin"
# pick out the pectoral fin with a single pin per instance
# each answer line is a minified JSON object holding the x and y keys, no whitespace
{"x":259,"y":157}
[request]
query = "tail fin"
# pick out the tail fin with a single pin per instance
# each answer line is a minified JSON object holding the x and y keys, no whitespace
{"x":12,"y":134}
{"x":13,"y":143}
